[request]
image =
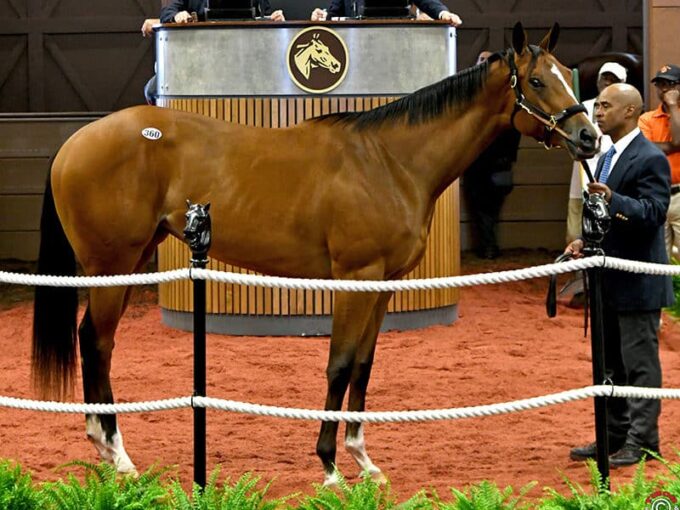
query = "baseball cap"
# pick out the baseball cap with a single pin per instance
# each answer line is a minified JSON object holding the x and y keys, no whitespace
{"x":668,"y":72}
{"x":616,"y":69}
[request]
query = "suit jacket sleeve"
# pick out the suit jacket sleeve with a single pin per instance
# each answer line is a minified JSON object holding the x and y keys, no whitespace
{"x":170,"y":9}
{"x":431,"y":7}
{"x":336,"y":9}
{"x":647,"y":208}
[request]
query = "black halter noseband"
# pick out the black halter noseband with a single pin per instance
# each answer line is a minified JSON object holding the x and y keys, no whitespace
{"x":551,"y":122}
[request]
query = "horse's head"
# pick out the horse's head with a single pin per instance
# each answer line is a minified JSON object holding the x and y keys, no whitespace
{"x":197,"y":228}
{"x":545,"y":105}
{"x":319,"y":55}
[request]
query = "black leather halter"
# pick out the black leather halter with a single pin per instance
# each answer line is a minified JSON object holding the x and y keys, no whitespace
{"x":551,"y":122}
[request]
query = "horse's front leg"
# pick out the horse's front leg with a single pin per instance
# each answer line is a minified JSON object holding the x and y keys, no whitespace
{"x":361,"y":373}
{"x":96,"y":334}
{"x":351,"y":316}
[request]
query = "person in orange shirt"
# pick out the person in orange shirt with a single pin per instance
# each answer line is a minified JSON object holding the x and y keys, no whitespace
{"x":662,"y":126}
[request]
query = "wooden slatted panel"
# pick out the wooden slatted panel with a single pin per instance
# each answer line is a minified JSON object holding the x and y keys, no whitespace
{"x":442,"y":257}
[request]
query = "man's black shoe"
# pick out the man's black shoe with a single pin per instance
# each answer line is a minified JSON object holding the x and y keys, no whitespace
{"x":629,"y":455}
{"x":589,"y":451}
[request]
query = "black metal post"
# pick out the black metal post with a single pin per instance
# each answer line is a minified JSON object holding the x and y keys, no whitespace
{"x":198,"y":236}
{"x":199,"y":380}
{"x":599,"y":376}
{"x":595,"y":225}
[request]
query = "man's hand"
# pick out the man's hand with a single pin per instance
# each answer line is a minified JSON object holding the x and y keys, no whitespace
{"x":183,"y":17}
{"x":147,"y":26}
{"x":575,"y":248}
{"x":452,"y":18}
{"x":671,"y":96}
{"x":319,"y":15}
{"x":278,"y":16}
{"x":602,"y":189}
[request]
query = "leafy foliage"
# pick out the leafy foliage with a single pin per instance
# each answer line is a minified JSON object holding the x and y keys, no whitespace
{"x":365,"y":495}
{"x":487,"y":496}
{"x":629,"y":497}
{"x":16,"y":488}
{"x":243,"y":495}
{"x":102,"y":488}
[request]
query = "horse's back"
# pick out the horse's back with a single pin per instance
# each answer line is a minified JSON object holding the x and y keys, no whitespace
{"x":110,"y":179}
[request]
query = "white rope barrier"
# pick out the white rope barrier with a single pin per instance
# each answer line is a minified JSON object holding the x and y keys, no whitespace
{"x":66,"y":407}
{"x":341,"y":285}
{"x":94,"y":281}
{"x":345,"y":416}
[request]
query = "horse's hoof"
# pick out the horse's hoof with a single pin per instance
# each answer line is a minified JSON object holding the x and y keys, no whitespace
{"x":378,"y":477}
{"x":125,"y":467}
{"x":133,"y":473}
{"x":331,"y":480}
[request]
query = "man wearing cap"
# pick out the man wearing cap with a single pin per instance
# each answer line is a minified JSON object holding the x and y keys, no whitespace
{"x":662,"y":126}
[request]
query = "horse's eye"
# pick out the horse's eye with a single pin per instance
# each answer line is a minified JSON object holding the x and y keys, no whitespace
{"x":536,"y":83}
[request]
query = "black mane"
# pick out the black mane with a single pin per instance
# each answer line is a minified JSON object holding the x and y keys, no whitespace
{"x":427,"y":103}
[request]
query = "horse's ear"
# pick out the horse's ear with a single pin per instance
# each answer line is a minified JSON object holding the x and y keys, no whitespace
{"x":519,"y":38}
{"x":550,"y":40}
{"x":188,"y":203}
{"x":207,"y":207}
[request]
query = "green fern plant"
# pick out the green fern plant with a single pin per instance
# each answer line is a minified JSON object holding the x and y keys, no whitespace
{"x":669,"y":482}
{"x":365,"y":495}
{"x":242,"y":495}
{"x":104,"y":489}
{"x":16,"y":488}
{"x":630,"y":496}
{"x":485,"y":496}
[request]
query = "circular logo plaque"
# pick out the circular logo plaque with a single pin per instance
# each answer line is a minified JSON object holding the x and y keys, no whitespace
{"x":317,"y":60}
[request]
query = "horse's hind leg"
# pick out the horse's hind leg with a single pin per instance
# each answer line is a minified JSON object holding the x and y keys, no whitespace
{"x":351,"y":315}
{"x":361,"y":372}
{"x":96,"y":335}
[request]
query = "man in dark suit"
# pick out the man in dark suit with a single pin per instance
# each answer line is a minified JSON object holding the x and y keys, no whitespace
{"x":634,"y":177}
{"x":179,"y":11}
{"x":349,"y":8}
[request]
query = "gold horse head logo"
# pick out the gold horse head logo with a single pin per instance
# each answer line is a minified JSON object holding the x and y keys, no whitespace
{"x":315,"y":54}
{"x":317,"y":59}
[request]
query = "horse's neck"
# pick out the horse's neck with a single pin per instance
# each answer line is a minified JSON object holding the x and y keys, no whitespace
{"x":438,"y":151}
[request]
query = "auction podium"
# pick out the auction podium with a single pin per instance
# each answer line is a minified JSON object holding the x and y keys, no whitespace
{"x":276,"y":75}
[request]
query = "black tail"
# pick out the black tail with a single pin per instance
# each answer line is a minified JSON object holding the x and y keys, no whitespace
{"x":55,"y":308}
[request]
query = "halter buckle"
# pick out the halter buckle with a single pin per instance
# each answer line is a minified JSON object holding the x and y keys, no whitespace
{"x":513,"y":81}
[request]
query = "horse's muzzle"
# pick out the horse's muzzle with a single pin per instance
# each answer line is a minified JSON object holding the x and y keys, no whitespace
{"x":585,"y":145}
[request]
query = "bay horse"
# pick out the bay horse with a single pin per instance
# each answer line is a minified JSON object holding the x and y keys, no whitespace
{"x":345,"y":196}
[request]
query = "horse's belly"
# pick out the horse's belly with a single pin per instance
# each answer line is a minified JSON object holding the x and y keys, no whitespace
{"x":273,"y":254}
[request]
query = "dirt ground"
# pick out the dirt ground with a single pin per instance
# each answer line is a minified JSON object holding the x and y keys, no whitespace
{"x":502,"y":348}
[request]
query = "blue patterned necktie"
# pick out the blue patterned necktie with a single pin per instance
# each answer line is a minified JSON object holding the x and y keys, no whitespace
{"x":607,"y":165}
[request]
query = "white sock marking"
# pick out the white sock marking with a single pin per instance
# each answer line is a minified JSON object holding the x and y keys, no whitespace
{"x":356,"y":446}
{"x":114,"y":451}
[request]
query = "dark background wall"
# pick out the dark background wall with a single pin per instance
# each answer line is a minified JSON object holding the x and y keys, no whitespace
{"x":78,"y":56}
